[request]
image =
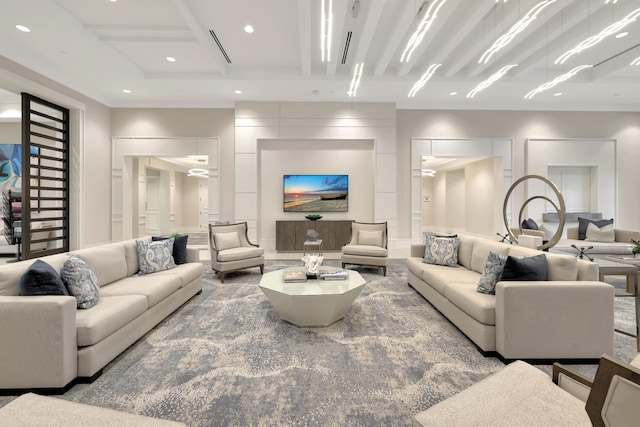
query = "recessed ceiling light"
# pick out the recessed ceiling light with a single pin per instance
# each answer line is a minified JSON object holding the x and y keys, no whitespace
{"x":557,"y":94}
{"x":126,"y":90}
{"x":23,"y":28}
{"x":171,"y":59}
{"x":453,"y":93}
{"x":248,"y":29}
{"x":622,"y":34}
{"x":237,"y":91}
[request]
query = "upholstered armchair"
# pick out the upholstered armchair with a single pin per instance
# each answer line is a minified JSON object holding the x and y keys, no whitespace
{"x":368,"y":245}
{"x":231,"y":250}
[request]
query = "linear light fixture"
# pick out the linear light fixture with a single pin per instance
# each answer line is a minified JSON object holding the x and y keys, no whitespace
{"x":416,"y":38}
{"x":425,"y":77}
{"x":636,"y":61}
{"x":491,"y":80}
{"x":557,"y":80}
{"x":611,"y":1}
{"x":515,"y":29}
{"x":355,"y":81}
{"x":614,"y":28}
{"x":326,"y":28}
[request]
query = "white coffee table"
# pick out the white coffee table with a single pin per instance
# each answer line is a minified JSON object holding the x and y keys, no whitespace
{"x":314,"y":302}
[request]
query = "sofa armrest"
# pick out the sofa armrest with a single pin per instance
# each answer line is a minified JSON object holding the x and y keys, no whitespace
{"x":417,"y":250}
{"x":572,"y":382}
{"x":193,"y":254}
{"x":38,"y":341}
{"x":573,"y":233}
{"x":554,"y":319}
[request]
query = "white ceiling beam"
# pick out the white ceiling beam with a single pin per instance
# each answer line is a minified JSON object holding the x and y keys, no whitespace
{"x":202,"y":35}
{"x":442,"y":21}
{"x":340,"y":8}
{"x":304,"y":31}
{"x":406,"y":18}
{"x":366,"y":36}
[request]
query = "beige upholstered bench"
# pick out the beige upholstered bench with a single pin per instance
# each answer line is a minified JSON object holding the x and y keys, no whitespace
{"x":35,"y":410}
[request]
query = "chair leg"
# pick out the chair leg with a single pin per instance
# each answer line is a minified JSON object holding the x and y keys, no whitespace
{"x":261,"y":268}
{"x":384,"y":270}
{"x":343,"y":264}
{"x":222,"y":277}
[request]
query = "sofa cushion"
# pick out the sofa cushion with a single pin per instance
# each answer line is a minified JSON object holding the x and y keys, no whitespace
{"x":41,"y":279}
{"x":605,"y":234}
{"x":131,"y":255}
{"x":225,"y":241}
{"x":522,"y":251}
{"x":364,"y":250}
{"x":187,"y":273}
{"x":10,"y":273}
{"x":81,"y":282}
{"x":243,"y":252}
{"x":155,"y":256}
{"x":465,"y":250}
{"x":525,"y":269}
{"x":441,"y":250}
{"x":481,"y":249}
{"x":107,"y":262}
{"x":561,"y":267}
{"x":153,"y":286}
{"x":179,"y":247}
{"x":481,"y":307}
{"x":583,"y":223}
{"x":107,"y":316}
{"x":492,"y":273}
{"x":440,"y":276}
{"x":370,"y":237}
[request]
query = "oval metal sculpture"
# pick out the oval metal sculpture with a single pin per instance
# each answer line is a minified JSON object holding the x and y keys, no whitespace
{"x":561,"y":210}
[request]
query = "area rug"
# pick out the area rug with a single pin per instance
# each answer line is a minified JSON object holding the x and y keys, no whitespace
{"x":227,"y":359}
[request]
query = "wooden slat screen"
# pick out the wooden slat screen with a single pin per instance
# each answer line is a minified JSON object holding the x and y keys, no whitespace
{"x":45,"y":177}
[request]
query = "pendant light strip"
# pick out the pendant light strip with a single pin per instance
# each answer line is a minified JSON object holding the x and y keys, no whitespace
{"x":614,"y":28}
{"x":557,"y":80}
{"x":416,"y":38}
{"x":423,"y":80}
{"x":355,"y":81}
{"x":491,"y":80}
{"x":636,"y":61}
{"x":516,"y":29}
{"x":326,"y":29}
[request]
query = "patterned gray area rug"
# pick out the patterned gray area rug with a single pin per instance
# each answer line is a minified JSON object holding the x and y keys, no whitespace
{"x":226,"y":359}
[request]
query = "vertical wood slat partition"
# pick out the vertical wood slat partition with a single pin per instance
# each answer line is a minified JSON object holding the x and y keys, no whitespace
{"x":45,"y":177}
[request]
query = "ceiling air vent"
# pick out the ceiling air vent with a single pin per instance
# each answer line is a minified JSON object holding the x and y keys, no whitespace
{"x":224,"y":53}
{"x":346,"y":47}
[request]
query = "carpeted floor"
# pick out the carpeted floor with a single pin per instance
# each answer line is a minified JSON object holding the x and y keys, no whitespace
{"x":226,"y":359}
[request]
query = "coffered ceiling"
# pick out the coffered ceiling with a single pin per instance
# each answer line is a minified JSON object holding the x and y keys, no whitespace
{"x":102,"y":47}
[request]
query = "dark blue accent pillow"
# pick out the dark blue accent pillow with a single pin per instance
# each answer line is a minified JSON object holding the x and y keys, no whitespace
{"x":583,"y":223}
{"x":529,"y":224}
{"x":179,"y":248}
{"x":41,"y":279}
{"x":533,"y":268}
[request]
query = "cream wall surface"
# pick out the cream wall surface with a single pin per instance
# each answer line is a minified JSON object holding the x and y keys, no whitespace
{"x":624,"y":127}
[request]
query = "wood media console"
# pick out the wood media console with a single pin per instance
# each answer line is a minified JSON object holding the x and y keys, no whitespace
{"x":290,"y":235}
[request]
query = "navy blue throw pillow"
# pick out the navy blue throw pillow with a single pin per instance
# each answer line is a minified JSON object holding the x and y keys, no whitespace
{"x":583,"y":223}
{"x":179,"y":248}
{"x":533,"y":268}
{"x":41,"y":279}
{"x":529,"y":224}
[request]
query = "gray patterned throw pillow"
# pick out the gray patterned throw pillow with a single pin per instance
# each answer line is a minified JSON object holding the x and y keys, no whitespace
{"x":81,"y":282}
{"x":155,"y":256}
{"x":441,"y":250}
{"x":492,"y":273}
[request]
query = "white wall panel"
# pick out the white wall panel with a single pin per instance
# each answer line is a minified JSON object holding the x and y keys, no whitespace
{"x":385,"y":173}
{"x":246,"y":173}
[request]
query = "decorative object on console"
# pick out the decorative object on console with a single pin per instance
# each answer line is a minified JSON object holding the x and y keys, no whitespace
{"x":312,"y":257}
{"x":636,"y":249}
{"x":441,"y":250}
{"x":313,"y":217}
{"x":560,"y":209}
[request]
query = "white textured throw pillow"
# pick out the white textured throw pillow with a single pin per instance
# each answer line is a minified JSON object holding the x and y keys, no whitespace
{"x":606,"y":234}
{"x":370,"y":238}
{"x":226,"y":240}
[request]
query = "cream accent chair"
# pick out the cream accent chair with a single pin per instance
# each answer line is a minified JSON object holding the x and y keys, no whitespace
{"x":368,"y":245}
{"x":522,"y":395}
{"x":231,"y":250}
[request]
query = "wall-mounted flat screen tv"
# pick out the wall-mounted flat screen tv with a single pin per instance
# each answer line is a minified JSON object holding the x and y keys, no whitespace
{"x":316,"y":193}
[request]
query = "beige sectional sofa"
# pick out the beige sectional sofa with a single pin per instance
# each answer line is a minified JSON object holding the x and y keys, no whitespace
{"x":46,"y":343}
{"x":569,"y":316}
{"x":621,"y":246}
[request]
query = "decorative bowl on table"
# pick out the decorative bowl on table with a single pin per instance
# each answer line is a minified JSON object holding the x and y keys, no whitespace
{"x":313,"y":217}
